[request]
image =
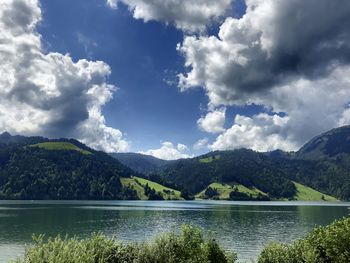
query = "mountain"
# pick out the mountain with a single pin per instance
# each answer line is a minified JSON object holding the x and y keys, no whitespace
{"x":239,"y":167}
{"x":322,"y":164}
{"x":140,"y":162}
{"x":39,"y":168}
{"x":6,"y":138}
{"x":328,"y":145}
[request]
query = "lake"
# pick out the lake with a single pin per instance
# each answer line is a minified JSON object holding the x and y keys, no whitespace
{"x":244,"y":227}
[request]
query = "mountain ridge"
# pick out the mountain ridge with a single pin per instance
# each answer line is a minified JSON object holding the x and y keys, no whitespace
{"x":322,"y":164}
{"x":41,"y":168}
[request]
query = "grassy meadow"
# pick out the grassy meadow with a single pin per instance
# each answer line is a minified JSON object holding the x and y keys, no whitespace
{"x":63,"y":146}
{"x":138,"y":184}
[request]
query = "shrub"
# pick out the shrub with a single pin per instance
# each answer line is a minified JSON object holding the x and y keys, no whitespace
{"x":187,"y":247}
{"x":323,"y":244}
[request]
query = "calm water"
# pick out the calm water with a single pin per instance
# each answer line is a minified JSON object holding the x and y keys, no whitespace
{"x":241,"y":226}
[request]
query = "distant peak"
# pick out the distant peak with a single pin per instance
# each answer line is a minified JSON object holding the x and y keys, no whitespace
{"x":7,"y":134}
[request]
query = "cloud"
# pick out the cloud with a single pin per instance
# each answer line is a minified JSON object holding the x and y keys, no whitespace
{"x":213,"y":122}
{"x":169,"y":152}
{"x":312,"y":107}
{"x":261,"y":132}
{"x":112,"y":3}
{"x":201,"y":144}
{"x":182,"y":147}
{"x":48,"y":93}
{"x":291,"y":57}
{"x":273,"y":42}
{"x":187,"y":15}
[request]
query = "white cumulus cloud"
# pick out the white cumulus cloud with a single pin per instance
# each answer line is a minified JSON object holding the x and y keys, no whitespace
{"x":168,"y":151}
{"x":187,"y":15}
{"x":261,"y":132}
{"x":48,"y":93}
{"x":201,"y":144}
{"x":288,"y":56}
{"x":213,"y":122}
{"x":112,"y":3}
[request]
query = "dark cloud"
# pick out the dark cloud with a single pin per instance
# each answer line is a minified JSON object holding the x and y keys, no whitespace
{"x":274,"y":41}
{"x":288,"y":56}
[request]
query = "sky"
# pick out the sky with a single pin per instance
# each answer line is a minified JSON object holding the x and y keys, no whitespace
{"x":175,"y":78}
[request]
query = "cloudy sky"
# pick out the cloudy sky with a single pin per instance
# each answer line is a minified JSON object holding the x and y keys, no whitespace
{"x":175,"y":78}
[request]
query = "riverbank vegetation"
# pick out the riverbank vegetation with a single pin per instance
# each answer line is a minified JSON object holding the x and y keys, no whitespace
{"x":323,"y":244}
{"x":188,"y":246}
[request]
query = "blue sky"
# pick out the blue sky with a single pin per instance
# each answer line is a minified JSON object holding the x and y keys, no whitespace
{"x":148,"y":107}
{"x":175,"y":78}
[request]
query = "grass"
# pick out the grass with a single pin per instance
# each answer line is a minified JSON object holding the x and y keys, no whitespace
{"x":131,"y":183}
{"x":252,"y":191}
{"x":305,"y":193}
{"x":209,"y":159}
{"x":60,"y":146}
{"x":224,"y":190}
{"x":138,"y":183}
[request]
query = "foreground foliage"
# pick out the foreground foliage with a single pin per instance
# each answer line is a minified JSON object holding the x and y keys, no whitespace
{"x":323,"y":244}
{"x":188,"y":247}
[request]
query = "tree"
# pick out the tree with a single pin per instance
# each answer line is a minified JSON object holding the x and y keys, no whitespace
{"x":211,"y":192}
{"x":186,"y":195}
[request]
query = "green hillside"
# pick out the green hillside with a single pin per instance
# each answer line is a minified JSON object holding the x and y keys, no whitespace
{"x":224,"y":191}
{"x":244,"y":167}
{"x":138,"y":184}
{"x":60,"y":170}
{"x":305,"y":193}
{"x":63,"y":146}
{"x":209,"y":159}
{"x":132,"y":184}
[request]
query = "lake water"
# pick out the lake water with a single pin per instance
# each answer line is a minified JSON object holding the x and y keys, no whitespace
{"x":244,"y":227}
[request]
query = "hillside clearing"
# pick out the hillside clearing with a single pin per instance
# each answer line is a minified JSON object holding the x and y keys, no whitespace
{"x":138,"y":184}
{"x":60,"y":146}
{"x":305,"y":193}
{"x":224,"y":190}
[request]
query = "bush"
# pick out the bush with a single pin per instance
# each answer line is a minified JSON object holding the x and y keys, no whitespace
{"x":323,"y":244}
{"x":188,"y":247}
{"x":185,"y":194}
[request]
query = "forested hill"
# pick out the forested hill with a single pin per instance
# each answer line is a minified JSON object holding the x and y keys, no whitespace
{"x":140,"y":162}
{"x":240,"y":167}
{"x":322,"y":164}
{"x":329,"y":145}
{"x":38,"y":168}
